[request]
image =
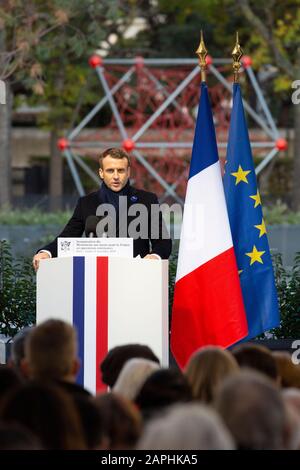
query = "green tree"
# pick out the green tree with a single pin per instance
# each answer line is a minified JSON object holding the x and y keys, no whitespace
{"x":44,"y":45}
{"x":276,"y":38}
{"x":63,"y":81}
{"x":269,"y":33}
{"x":23,"y":26}
{"x":17,"y":292}
{"x":173,"y":28}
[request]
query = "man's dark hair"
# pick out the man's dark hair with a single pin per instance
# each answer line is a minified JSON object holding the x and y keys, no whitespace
{"x":115,"y":359}
{"x":113,"y":153}
{"x":162,"y":388}
{"x":256,"y":357}
{"x":10,"y":379}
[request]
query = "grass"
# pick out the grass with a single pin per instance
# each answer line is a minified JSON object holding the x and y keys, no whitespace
{"x":33,"y":217}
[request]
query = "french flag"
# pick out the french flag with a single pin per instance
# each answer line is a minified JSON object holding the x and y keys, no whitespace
{"x":208,"y":306}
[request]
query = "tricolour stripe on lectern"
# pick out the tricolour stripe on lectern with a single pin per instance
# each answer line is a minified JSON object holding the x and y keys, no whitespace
{"x":78,"y":310}
{"x":102,"y":317}
{"x":90,"y":317}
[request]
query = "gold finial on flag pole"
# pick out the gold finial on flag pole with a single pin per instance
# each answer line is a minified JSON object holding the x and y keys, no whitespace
{"x":202,"y":53}
{"x":236,"y":55}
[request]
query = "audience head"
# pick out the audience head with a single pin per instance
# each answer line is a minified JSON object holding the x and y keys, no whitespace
{"x":115,"y":359}
{"x":206,"y":370}
{"x":51,"y":351}
{"x":162,"y":388}
{"x":288,"y":372}
{"x":9,"y":380}
{"x":121,"y":421}
{"x":133,"y":376}
{"x":91,"y":422}
{"x":18,"y":349}
{"x":186,"y":427}
{"x":256,"y":357}
{"x":16,"y":437}
{"x":252,"y":408}
{"x":48,"y":412}
{"x":291,"y":398}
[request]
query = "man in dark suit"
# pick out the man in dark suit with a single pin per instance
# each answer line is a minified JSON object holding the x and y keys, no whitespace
{"x":114,"y":171}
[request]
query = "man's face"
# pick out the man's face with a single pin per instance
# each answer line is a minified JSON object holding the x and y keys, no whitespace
{"x":115,"y":172}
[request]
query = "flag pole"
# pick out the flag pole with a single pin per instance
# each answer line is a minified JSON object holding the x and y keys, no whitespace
{"x":202,"y":53}
{"x":237,"y":53}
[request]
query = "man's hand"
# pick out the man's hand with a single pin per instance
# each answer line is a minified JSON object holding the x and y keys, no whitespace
{"x":37,"y":258}
{"x":152,"y":256}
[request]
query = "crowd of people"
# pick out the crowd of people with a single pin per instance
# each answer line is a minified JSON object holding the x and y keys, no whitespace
{"x":245,"y":398}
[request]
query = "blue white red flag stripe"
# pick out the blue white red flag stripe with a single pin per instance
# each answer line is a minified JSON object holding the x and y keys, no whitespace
{"x":102,"y":316}
{"x":78,"y":310}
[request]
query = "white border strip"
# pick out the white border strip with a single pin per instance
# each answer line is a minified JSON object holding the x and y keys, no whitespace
{"x":90,"y":366}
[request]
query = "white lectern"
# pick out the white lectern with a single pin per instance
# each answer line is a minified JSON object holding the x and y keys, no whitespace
{"x":110,"y":301}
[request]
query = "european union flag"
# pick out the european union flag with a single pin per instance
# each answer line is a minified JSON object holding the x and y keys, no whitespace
{"x":248,"y":227}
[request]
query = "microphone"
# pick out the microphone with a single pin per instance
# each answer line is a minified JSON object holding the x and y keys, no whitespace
{"x":91,"y":226}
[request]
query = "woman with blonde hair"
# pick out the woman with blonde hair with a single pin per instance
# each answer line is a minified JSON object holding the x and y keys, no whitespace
{"x":206,"y":370}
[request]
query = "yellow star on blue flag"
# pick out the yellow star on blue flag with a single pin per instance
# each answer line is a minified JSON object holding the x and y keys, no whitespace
{"x":255,"y":255}
{"x":256,"y":198}
{"x":241,"y":175}
{"x":262,"y":228}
